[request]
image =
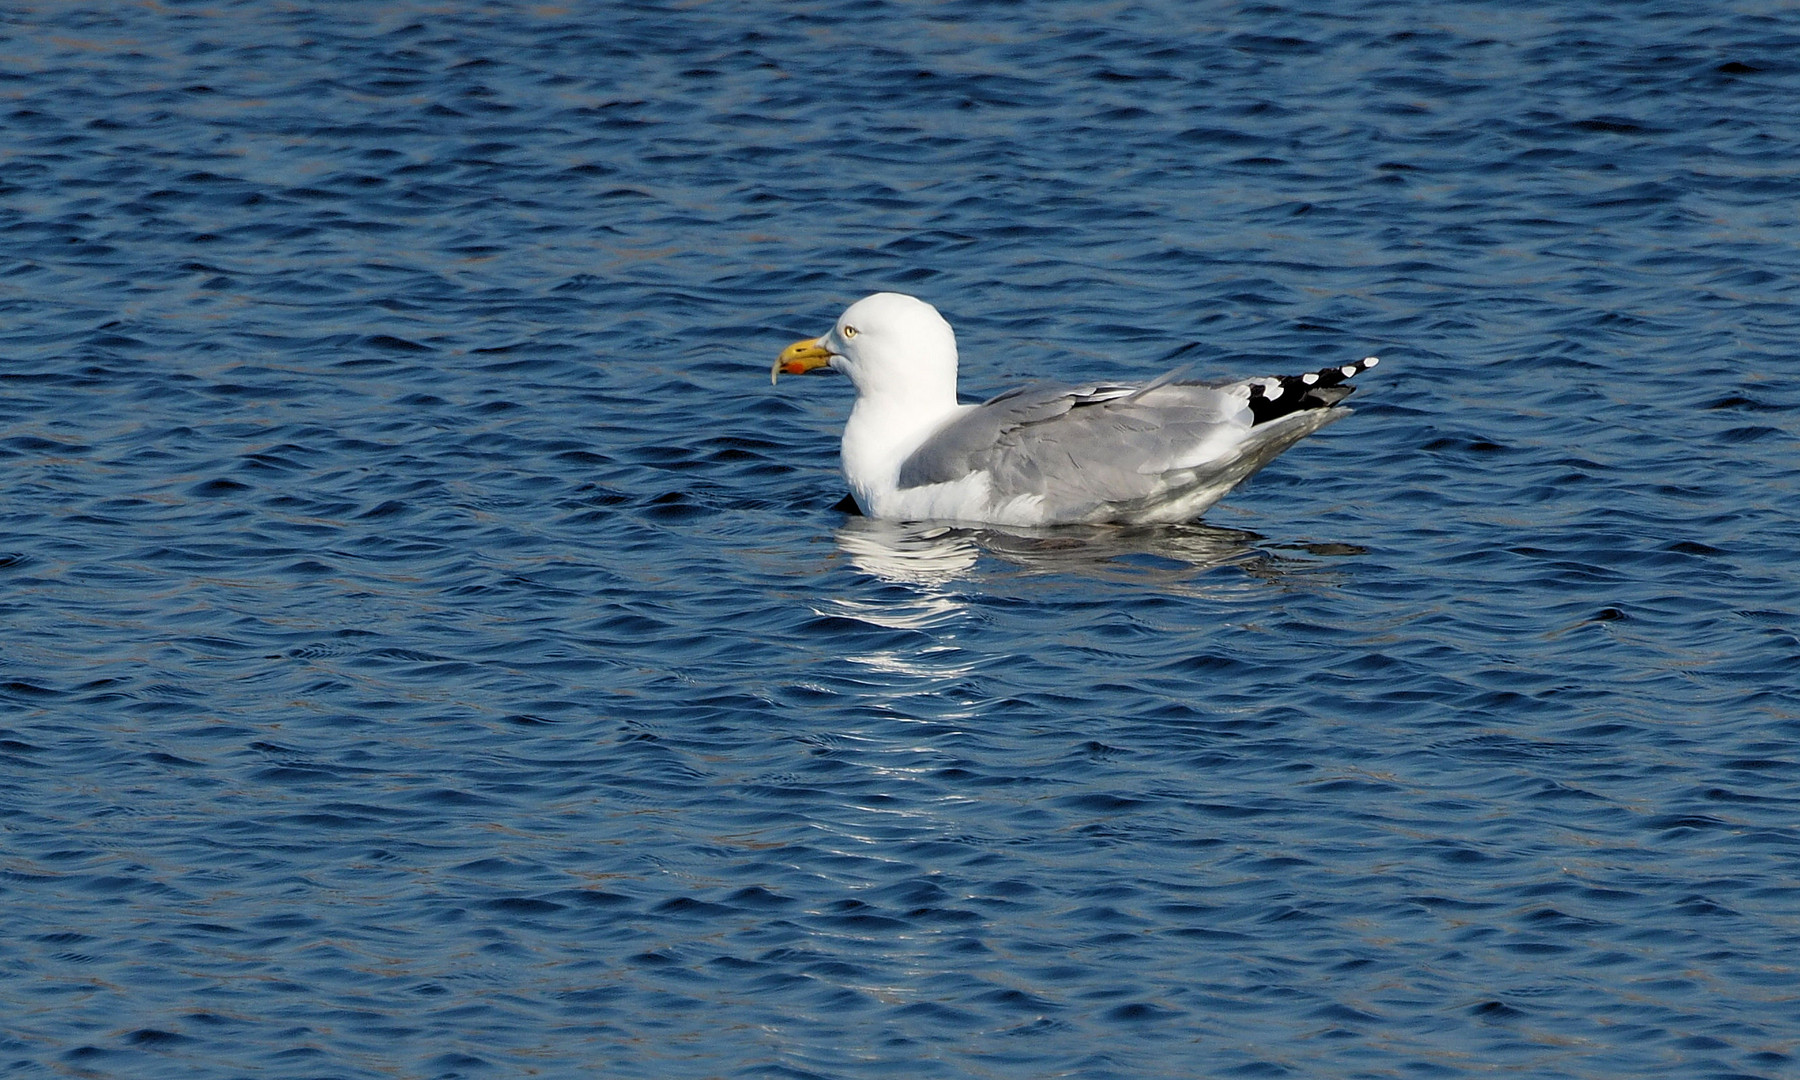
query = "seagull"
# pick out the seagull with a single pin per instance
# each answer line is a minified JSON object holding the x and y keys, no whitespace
{"x":1159,"y":452}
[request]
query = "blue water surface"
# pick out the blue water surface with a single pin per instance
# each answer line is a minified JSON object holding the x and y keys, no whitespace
{"x":431,"y":648}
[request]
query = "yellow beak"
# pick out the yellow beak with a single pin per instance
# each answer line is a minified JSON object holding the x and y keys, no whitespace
{"x":800,"y":358}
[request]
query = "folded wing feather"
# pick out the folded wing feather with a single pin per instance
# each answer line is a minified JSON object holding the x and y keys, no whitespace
{"x":1107,"y":445}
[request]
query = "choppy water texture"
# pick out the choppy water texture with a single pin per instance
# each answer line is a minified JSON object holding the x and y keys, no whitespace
{"x":431,"y":649}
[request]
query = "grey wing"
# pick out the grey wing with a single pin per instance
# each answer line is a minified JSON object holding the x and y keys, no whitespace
{"x":1082,"y":448}
{"x":967,"y":443}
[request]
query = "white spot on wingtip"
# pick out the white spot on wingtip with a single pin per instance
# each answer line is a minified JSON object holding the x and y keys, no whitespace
{"x":1309,"y":378}
{"x":1371,"y":361}
{"x":1348,"y":370}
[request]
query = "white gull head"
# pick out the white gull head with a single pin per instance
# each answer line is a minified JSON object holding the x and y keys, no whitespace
{"x":900,"y":354}
{"x":889,"y":344}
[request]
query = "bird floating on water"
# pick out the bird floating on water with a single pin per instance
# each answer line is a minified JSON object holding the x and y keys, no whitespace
{"x":1146,"y":453}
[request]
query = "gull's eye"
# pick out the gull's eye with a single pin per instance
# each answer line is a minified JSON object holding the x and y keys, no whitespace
{"x":849,"y":332}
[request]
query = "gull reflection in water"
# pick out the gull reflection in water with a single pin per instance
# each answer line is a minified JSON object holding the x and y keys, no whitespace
{"x":913,"y":553}
{"x":927,"y":553}
{"x":927,"y":676}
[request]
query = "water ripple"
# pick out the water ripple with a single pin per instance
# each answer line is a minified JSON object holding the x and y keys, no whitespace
{"x":434,"y":648}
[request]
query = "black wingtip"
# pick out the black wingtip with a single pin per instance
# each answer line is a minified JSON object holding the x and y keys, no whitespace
{"x":1277,"y":396}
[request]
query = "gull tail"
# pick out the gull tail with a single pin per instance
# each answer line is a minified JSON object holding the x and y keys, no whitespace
{"x":1280,"y":395}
